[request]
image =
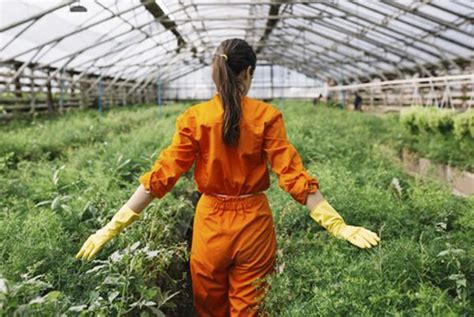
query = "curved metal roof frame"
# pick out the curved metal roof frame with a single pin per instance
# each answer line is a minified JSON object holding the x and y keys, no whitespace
{"x":163,"y":40}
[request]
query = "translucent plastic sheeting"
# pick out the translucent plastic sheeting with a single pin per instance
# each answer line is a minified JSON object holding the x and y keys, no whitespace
{"x":267,"y":83}
{"x":345,"y":40}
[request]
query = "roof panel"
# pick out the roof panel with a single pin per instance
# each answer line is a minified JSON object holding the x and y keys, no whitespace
{"x":351,"y":38}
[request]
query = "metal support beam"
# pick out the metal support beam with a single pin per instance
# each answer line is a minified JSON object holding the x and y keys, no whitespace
{"x":37,"y":15}
{"x":164,"y":20}
{"x":271,"y":23}
{"x":61,"y":37}
{"x":429,"y":17}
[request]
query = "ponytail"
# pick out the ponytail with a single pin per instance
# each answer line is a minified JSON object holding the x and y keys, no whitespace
{"x":231,"y":58}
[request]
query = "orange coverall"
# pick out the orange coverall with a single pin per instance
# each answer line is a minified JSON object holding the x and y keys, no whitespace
{"x":234,"y":243}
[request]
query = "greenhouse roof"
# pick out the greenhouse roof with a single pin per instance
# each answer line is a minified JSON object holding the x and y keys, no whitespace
{"x":165,"y":39}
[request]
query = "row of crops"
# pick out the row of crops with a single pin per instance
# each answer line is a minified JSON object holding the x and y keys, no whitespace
{"x":64,"y":177}
{"x":435,"y":120}
{"x":443,"y":135}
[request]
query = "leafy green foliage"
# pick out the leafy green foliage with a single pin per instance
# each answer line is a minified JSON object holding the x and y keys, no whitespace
{"x":441,"y":135}
{"x":408,"y":118}
{"x":464,"y":125}
{"x":64,"y":177}
{"x":428,"y":119}
{"x":423,"y":266}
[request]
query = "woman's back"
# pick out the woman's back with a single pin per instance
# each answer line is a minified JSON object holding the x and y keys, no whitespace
{"x":231,"y":170}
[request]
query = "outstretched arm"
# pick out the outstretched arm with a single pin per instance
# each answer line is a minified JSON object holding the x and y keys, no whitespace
{"x":127,"y":214}
{"x":286,"y":162}
{"x":140,"y":199}
{"x":325,"y":215}
{"x":173,"y":161}
{"x":313,"y":199}
{"x":293,"y":178}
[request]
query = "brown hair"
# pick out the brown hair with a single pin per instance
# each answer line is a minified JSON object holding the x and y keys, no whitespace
{"x":231,"y":58}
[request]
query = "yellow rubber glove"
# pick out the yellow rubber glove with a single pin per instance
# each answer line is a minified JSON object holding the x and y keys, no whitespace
{"x":325,"y":215}
{"x":124,"y":217}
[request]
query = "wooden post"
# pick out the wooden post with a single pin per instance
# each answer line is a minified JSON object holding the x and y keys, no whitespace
{"x":271,"y":80}
{"x":159,"y":97}
{"x":49,"y":94}
{"x":112,"y":94}
{"x":400,"y":96}
{"x":17,"y":83}
{"x":32,"y":92}
{"x":100,"y":95}
{"x":61,"y":91}
{"x":371,"y":98}
{"x":464,"y":98}
{"x":83,"y":97}
{"x":72,"y":95}
{"x":124,"y":96}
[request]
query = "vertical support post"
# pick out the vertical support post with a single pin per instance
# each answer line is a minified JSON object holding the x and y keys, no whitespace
{"x":159,"y":101}
{"x":464,"y":99}
{"x":32,"y":91}
{"x":159,"y":94}
{"x":17,"y":82}
{"x":283,"y":84}
{"x":372,"y":98}
{"x":61,"y":91}
{"x":112,"y":93}
{"x":124,"y":95}
{"x":471,"y":99}
{"x":271,"y":79}
{"x":99,"y":95}
{"x":49,"y":94}
{"x":83,"y":97}
{"x":400,"y":96}
{"x":72,"y":84}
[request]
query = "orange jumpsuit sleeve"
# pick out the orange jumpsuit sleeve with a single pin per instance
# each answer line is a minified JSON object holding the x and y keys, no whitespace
{"x":286,"y":162}
{"x":173,"y":161}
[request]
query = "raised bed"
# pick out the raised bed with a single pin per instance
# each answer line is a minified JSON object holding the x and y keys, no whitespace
{"x":461,"y":182}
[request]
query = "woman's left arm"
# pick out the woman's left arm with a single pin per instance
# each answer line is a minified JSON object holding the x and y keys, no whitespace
{"x":126,"y":215}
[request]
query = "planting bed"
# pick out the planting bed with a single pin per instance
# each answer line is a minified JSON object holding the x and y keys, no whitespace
{"x":63,"y":178}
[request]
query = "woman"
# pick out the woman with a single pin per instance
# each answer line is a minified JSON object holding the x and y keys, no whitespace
{"x":230,"y":138}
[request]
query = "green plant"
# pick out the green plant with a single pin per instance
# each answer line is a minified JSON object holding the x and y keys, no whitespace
{"x":428,"y":119}
{"x":64,"y":177}
{"x":441,"y":135}
{"x":464,"y":124}
{"x":441,"y":120}
{"x":408,"y":118}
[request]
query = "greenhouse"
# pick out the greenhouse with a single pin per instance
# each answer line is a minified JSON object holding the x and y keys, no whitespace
{"x":170,"y":157}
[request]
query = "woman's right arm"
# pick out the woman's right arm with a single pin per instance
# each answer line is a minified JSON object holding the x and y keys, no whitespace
{"x":293,"y":178}
{"x":286,"y":162}
{"x":327,"y":217}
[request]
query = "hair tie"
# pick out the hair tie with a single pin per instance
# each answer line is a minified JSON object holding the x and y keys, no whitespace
{"x":225,"y":57}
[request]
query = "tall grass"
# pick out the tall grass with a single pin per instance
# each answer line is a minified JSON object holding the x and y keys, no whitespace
{"x":62,"y":180}
{"x":65,"y":177}
{"x":424,"y":265}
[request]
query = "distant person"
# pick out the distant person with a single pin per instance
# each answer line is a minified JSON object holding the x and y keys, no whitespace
{"x":317,"y":100}
{"x":229,"y":140}
{"x":357,"y":102}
